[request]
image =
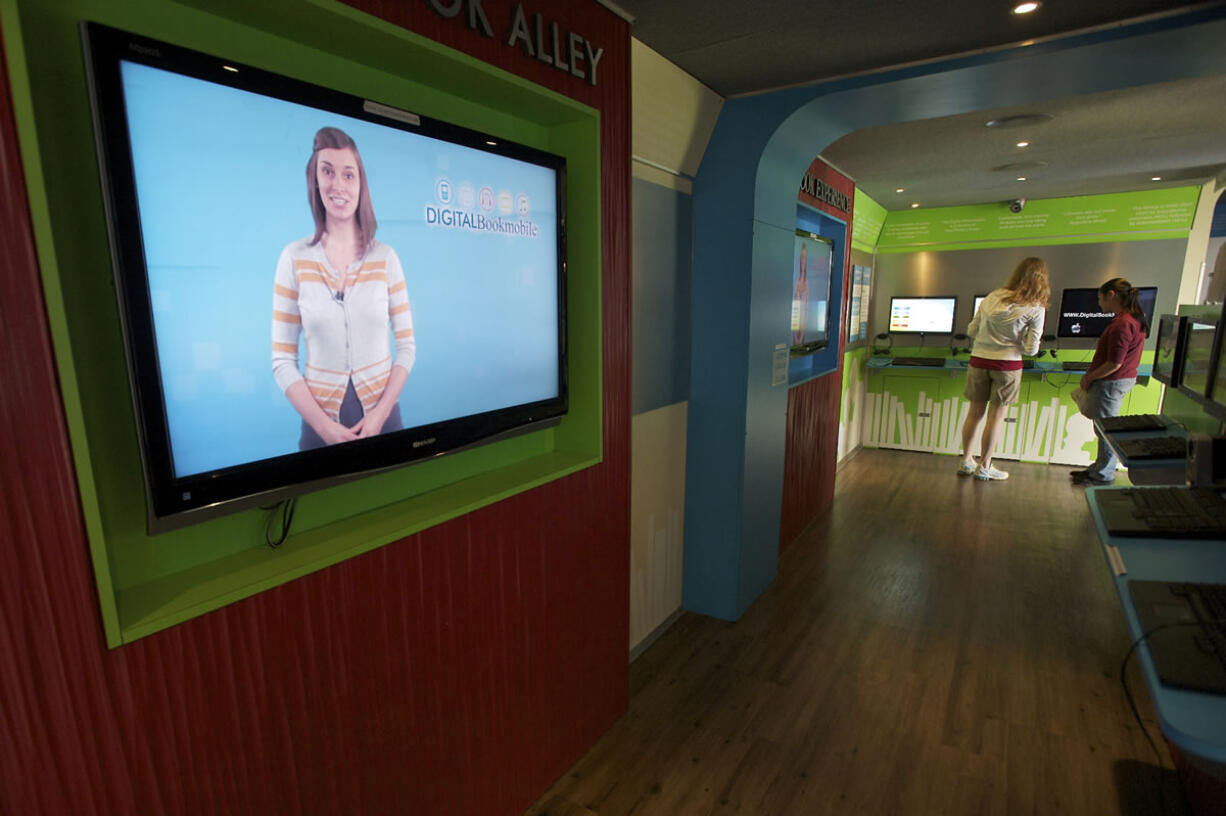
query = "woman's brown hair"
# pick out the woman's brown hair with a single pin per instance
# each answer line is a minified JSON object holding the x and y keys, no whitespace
{"x":1029,"y":284}
{"x":330,"y":137}
{"x":1129,"y":297}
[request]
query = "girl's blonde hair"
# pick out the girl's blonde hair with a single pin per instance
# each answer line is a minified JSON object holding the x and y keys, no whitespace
{"x":1029,"y":284}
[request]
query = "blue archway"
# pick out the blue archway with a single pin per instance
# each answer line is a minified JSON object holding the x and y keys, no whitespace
{"x":744,"y":218}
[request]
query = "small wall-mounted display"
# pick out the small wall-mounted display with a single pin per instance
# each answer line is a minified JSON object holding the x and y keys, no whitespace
{"x":1081,"y":316}
{"x":922,"y":315}
{"x":1169,"y":349}
{"x":275,"y":341}
{"x":811,"y":260}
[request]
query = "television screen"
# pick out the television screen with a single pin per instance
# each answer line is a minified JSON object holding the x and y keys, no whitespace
{"x":1080,"y":315}
{"x":811,"y":256}
{"x":1168,"y":350}
{"x":922,"y":315}
{"x":313,"y":285}
{"x":1199,"y":344}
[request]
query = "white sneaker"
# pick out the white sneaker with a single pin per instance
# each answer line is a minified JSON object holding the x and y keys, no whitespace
{"x":990,"y":474}
{"x":967,"y":469}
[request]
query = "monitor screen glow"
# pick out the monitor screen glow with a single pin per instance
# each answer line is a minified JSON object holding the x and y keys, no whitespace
{"x":979,"y":299}
{"x":811,"y":260}
{"x":1081,"y":316}
{"x":1199,"y":344}
{"x":922,"y":315}
{"x":401,"y":298}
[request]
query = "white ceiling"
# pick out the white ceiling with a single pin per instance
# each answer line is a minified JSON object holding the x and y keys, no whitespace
{"x":1111,"y":142}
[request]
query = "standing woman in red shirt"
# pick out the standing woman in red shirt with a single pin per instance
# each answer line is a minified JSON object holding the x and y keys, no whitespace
{"x":1113,"y":371}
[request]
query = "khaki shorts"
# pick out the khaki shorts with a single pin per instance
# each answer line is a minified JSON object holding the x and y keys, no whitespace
{"x":990,"y":385}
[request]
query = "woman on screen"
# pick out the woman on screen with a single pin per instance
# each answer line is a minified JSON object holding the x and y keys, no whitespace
{"x":1008,"y":324}
{"x":1113,"y":371}
{"x":341,"y":290}
{"x":800,"y":299}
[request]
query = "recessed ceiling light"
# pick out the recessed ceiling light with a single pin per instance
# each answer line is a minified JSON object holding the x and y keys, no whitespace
{"x":230,"y":68}
{"x":1021,"y":178}
{"x":899,"y":190}
{"x":1025,"y":8}
{"x":914,"y":204}
{"x":1155,"y":178}
{"x":1023,"y":144}
{"x":1027,"y":43}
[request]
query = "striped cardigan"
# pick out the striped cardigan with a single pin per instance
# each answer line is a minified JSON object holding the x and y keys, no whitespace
{"x":345,"y":338}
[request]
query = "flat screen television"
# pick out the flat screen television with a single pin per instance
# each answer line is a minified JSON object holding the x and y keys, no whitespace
{"x":1198,"y":357}
{"x":811,"y":259}
{"x":1080,"y":315}
{"x":1169,"y":349}
{"x":313,"y":285}
{"x":922,"y":315}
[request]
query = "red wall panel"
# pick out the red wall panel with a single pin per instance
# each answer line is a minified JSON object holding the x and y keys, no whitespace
{"x":458,"y":671}
{"x":811,"y":454}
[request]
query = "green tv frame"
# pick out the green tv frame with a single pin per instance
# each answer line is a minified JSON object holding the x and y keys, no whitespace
{"x":146,"y":584}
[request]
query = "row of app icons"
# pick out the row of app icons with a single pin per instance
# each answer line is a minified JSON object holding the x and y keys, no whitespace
{"x":465,"y":195}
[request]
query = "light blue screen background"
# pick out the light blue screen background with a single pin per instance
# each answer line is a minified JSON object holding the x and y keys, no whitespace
{"x":817,"y":271}
{"x":221,"y":181}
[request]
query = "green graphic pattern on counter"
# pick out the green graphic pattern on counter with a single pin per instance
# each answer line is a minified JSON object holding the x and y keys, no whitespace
{"x":1153,"y":214}
{"x":923,"y":410}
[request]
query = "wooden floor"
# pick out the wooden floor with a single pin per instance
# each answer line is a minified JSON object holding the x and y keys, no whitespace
{"x":935,"y":645}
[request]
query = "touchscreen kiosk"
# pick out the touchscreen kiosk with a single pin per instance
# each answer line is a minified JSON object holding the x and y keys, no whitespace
{"x":1081,"y":316}
{"x":1197,"y":357}
{"x":1169,"y":350}
{"x":811,"y":260}
{"x":922,"y":315}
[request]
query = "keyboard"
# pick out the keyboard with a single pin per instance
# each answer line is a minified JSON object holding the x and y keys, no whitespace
{"x":1133,"y":422}
{"x":1164,"y":512}
{"x":1075,"y":366}
{"x":1154,"y":447}
{"x":1186,"y":626}
{"x":934,"y":362}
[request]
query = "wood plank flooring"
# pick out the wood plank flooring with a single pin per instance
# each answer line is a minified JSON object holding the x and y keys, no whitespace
{"x":934,"y":645}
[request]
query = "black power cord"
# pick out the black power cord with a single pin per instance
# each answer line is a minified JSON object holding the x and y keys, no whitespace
{"x":1132,"y":703}
{"x":285,"y":511}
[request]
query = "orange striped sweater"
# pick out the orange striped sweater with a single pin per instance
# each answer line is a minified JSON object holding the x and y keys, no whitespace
{"x":345,"y":338}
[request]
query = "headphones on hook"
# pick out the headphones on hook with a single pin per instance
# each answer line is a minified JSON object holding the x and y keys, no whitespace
{"x":886,"y":336}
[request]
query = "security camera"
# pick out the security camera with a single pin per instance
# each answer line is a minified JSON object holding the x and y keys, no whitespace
{"x":1016,"y":205}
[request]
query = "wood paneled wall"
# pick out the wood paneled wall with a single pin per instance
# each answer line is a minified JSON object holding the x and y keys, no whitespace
{"x":458,"y":671}
{"x":812,"y":452}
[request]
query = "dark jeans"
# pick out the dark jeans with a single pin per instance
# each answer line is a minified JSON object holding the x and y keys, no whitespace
{"x":351,"y":412}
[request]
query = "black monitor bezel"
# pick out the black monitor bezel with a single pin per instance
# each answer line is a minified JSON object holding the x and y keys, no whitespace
{"x":1181,"y":326}
{"x":953,"y":320}
{"x":803,"y":349}
{"x":174,"y":501}
{"x":1094,"y":290}
{"x":1215,"y":394}
{"x":1214,"y":349}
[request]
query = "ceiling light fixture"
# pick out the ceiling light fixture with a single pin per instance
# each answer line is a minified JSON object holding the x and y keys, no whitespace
{"x":1155,"y":178}
{"x":1023,"y":144}
{"x":1021,"y":178}
{"x":899,"y":190}
{"x":914,"y":204}
{"x":1025,"y":8}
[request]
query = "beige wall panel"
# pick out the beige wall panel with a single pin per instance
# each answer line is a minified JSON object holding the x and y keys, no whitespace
{"x":673,"y":113}
{"x":657,"y":512}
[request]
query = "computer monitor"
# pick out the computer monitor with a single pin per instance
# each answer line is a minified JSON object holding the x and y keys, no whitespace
{"x":812,"y":257}
{"x":1216,"y":405}
{"x":979,"y":299}
{"x":1198,"y":357}
{"x":1080,"y":315}
{"x":922,"y":315}
{"x":1169,"y":350}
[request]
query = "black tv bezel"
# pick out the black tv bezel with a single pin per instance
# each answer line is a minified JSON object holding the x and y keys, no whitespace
{"x":173,"y":501}
{"x":1188,"y":391}
{"x":803,"y":349}
{"x":1181,"y":327}
{"x":1214,"y":402}
{"x":1094,"y":289}
{"x":953,"y":319}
